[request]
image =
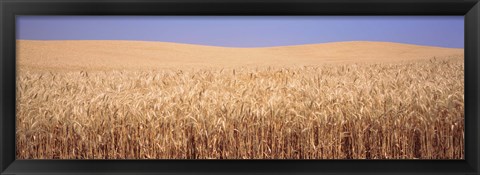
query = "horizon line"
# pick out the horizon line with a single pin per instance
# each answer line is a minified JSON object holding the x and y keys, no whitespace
{"x":209,"y":45}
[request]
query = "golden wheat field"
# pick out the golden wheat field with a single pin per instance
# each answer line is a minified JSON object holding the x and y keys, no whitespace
{"x":400,"y":107}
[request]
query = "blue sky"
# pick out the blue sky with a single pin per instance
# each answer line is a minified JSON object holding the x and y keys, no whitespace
{"x":247,"y":31}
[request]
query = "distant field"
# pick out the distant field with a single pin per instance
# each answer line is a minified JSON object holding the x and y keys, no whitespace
{"x":147,"y":100}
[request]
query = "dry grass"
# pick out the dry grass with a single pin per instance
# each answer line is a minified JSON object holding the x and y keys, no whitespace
{"x":352,"y":111}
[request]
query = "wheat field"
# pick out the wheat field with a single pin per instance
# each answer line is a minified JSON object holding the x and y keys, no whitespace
{"x":412,"y":109}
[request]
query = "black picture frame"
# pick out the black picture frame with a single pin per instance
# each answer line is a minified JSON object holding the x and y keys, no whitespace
{"x":9,"y":9}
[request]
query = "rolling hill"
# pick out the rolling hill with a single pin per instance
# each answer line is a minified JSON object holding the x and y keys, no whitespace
{"x":103,"y":54}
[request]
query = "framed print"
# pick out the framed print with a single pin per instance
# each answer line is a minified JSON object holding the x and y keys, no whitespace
{"x":186,"y":87}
